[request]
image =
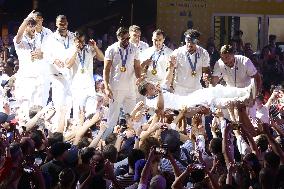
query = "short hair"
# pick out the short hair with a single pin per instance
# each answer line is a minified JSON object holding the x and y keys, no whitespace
{"x":78,"y":34}
{"x":272,"y":37}
{"x":87,"y":154}
{"x":262,"y":142}
{"x":37,"y":13}
{"x":227,"y":49}
{"x":110,"y":153}
{"x":159,"y":32}
{"x":110,"y":139}
{"x":192,"y":33}
{"x":134,"y":28}
{"x":121,"y":31}
{"x":60,"y":17}
{"x":31,"y":22}
{"x":142,"y":88}
{"x":215,"y":145}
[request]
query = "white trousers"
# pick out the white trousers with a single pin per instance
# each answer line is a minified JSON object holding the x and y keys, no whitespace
{"x":124,"y":99}
{"x":61,"y":94}
{"x":29,"y":91}
{"x":80,"y":98}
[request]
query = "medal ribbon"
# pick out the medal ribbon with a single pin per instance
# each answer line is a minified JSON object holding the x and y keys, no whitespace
{"x":123,"y":60}
{"x":82,"y":58}
{"x":31,"y":45}
{"x":66,"y":45}
{"x":154,"y":59}
{"x":192,"y":66}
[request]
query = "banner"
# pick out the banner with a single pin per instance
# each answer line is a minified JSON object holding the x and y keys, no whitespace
{"x":175,"y":16}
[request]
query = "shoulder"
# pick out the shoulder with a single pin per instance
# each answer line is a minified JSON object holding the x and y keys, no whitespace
{"x":167,"y":50}
{"x":132,"y":47}
{"x":112,"y":47}
{"x":143,"y":44}
{"x":47,"y":31}
{"x":202,"y":50}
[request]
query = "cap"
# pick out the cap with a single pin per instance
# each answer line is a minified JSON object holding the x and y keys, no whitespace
{"x":59,"y":148}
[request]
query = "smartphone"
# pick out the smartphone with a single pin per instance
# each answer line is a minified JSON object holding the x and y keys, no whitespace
{"x":199,"y":166}
{"x":28,"y":169}
{"x":162,"y":150}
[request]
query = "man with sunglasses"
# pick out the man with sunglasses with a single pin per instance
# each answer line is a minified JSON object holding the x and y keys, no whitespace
{"x":121,"y":67}
{"x":188,"y":64}
{"x":28,"y":78}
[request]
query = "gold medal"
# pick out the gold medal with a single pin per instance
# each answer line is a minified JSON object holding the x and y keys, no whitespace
{"x":193,"y":73}
{"x":154,"y":71}
{"x":82,"y":70}
{"x":123,"y":69}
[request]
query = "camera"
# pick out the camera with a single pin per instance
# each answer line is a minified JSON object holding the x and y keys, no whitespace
{"x":162,"y":150}
{"x":28,"y":170}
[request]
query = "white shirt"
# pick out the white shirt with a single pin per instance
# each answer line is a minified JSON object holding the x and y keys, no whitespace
{"x":57,"y":48}
{"x":162,"y":57}
{"x":141,"y":46}
{"x":27,"y":67}
{"x":183,"y":76}
{"x":239,"y":75}
{"x":41,"y":37}
{"x":122,"y":80}
{"x":85,"y":79}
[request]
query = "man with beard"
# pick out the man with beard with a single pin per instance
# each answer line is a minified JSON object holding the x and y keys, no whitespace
{"x":189,"y":64}
{"x":121,"y":66}
{"x":155,"y":59}
{"x":28,"y":79}
{"x":57,"y":49}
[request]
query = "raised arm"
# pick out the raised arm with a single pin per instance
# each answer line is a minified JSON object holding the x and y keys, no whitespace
{"x":22,"y":27}
{"x":137,"y":68}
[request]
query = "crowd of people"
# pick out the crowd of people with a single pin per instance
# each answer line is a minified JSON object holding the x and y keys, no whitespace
{"x":120,"y":112}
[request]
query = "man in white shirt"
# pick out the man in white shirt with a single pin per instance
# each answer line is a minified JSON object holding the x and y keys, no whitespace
{"x":28,"y":79}
{"x":57,"y":51}
{"x":135,"y":35}
{"x":191,"y":64}
{"x":81,"y":61}
{"x":236,"y":70}
{"x":155,"y":59}
{"x":41,"y":36}
{"x":121,"y":66}
{"x":218,"y":96}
